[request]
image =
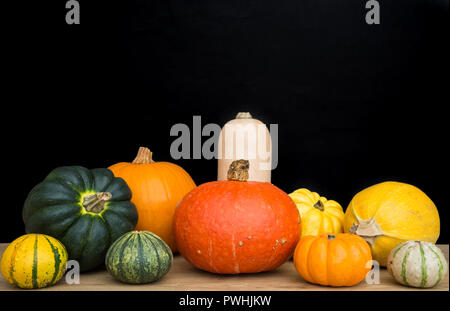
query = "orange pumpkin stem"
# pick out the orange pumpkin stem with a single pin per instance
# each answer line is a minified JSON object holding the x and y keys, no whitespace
{"x":238,"y":170}
{"x":144,"y":156}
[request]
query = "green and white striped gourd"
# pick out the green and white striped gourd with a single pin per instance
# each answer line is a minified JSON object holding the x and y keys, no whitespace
{"x":138,"y":257}
{"x":417,"y":264}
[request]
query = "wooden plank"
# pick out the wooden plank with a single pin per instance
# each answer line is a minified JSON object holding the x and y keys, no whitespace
{"x":184,"y":277}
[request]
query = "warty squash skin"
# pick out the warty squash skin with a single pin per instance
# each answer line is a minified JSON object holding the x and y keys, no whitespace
{"x":318,"y":214}
{"x":85,"y":209}
{"x":391,"y":213}
{"x":34,"y":261}
{"x":417,"y":264}
{"x":139,"y":257}
{"x":333,"y":260}
{"x":231,"y":227}
{"x":157,"y":188}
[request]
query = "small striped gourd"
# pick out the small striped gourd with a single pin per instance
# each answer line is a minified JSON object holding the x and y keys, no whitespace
{"x":34,"y":261}
{"x":417,"y":264}
{"x":139,"y":257}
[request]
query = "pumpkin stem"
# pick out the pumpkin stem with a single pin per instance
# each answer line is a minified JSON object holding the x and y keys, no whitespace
{"x":319,"y":206}
{"x":367,"y":229}
{"x":244,"y":115}
{"x":95,"y":203}
{"x":144,"y":156}
{"x":238,"y":170}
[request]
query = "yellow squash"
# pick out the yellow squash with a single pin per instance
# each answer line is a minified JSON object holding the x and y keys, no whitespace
{"x":34,"y":261}
{"x":318,"y":214}
{"x":390,"y":213}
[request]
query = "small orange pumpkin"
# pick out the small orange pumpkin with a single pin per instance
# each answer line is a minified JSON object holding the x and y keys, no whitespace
{"x":156,"y":189}
{"x":333,"y":260}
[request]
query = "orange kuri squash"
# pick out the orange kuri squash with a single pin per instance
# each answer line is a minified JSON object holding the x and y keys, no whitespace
{"x":156,"y":189}
{"x":237,"y":226}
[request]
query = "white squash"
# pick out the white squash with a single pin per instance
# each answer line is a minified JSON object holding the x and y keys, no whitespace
{"x":248,"y":139}
{"x":417,"y":264}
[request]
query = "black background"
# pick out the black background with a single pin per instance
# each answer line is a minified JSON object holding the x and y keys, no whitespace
{"x":356,"y":104}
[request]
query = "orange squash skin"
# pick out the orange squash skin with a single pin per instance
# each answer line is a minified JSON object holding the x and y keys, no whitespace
{"x":156,"y":190}
{"x":340,"y":261}
{"x":231,"y":227}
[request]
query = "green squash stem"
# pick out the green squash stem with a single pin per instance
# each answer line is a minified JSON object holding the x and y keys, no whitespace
{"x":95,"y":203}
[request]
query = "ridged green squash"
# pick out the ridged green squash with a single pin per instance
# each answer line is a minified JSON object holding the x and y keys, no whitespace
{"x":85,"y":209}
{"x":139,"y":257}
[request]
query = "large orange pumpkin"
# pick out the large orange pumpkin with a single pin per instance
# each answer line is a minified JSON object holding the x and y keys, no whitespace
{"x":156,"y":189}
{"x":334,"y":260}
{"x":237,"y":226}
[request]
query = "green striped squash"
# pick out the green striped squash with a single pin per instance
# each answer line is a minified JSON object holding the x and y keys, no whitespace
{"x":138,"y":257}
{"x":417,"y":264}
{"x":34,"y":261}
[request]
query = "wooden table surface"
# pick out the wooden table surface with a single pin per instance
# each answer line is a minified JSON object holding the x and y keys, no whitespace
{"x":184,"y":277}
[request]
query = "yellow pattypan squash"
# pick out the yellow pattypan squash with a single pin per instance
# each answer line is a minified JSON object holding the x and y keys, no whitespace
{"x":318,"y":214}
{"x":391,"y":213}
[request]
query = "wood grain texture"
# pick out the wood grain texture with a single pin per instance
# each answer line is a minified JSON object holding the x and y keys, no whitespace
{"x":184,"y":277}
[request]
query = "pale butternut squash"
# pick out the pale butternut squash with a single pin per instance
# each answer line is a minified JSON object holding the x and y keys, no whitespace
{"x":248,"y":139}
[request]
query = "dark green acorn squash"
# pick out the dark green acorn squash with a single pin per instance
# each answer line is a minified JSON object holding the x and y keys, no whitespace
{"x":87,"y":210}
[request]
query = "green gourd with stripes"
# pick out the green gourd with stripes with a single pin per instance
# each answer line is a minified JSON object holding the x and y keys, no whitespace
{"x":417,"y":264}
{"x":138,"y":257}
